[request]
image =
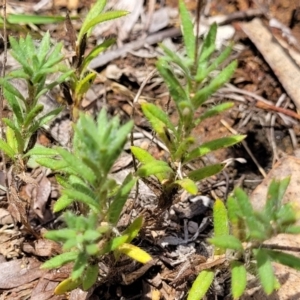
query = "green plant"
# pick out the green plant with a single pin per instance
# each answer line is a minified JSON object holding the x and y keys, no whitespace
{"x":83,"y":172}
{"x":36,"y":64}
{"x":246,"y":248}
{"x":82,"y":78}
{"x":84,"y":176}
{"x":190,"y":82}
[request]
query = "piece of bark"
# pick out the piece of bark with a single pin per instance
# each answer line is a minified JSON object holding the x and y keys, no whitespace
{"x":281,"y":63}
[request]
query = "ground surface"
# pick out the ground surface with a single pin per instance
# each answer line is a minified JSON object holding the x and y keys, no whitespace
{"x":270,"y":136}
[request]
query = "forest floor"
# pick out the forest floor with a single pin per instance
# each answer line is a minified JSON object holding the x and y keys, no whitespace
{"x":265,"y":90}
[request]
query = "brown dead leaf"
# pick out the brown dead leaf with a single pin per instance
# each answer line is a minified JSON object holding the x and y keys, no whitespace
{"x":42,"y":247}
{"x":48,"y":282}
{"x":15,"y":273}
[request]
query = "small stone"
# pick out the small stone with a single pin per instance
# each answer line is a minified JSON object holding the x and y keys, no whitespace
{"x":192,"y":227}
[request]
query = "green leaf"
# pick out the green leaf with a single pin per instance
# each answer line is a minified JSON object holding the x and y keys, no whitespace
{"x":175,"y":87}
{"x":217,"y":82}
{"x":135,"y":252}
{"x":175,"y":58}
{"x":113,"y":244}
{"x":275,"y":194}
{"x":216,"y":144}
{"x":11,"y":89}
{"x":235,"y":218}
{"x":286,"y":215}
{"x":41,"y":150}
{"x":95,"y":10}
{"x":77,"y":165}
{"x":55,"y":56}
{"x":18,"y":136}
{"x":244,"y":202}
{"x":133,"y":229}
{"x":107,"y":16}
{"x":95,"y":52}
{"x":44,"y":47}
{"x":145,"y":157}
{"x":90,"y":277}
{"x":60,"y":260}
{"x":120,"y":198}
{"x":154,"y":113}
{"x":32,"y":19}
{"x":205,"y":172}
{"x":15,"y":106}
{"x":61,"y":235}
{"x":215,"y":110}
{"x":203,"y":72}
{"x":256,"y":228}
{"x":142,"y":155}
{"x":11,"y":139}
{"x":66,"y":285}
{"x":201,"y":285}
{"x":32,"y":114}
{"x":81,"y":196}
{"x":47,"y":117}
{"x":19,"y":53}
{"x":292,"y":229}
{"x":51,"y":163}
{"x":238,"y":279}
{"x":188,"y":184}
{"x":187,"y":30}
{"x":80,"y":264}
{"x":284,"y":258}
{"x":208,"y":46}
{"x":154,"y":168}
{"x":85,"y":83}
{"x":7,"y":150}
{"x":265,"y":271}
{"x":226,"y":242}
{"x":283,"y":185}
{"x":220,"y":221}
{"x":63,"y":202}
{"x":183,"y":148}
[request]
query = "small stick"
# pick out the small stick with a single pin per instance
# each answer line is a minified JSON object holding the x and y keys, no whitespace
{"x":261,"y":170}
{"x":282,"y":110}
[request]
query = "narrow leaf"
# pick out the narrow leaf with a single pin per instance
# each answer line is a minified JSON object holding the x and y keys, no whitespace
{"x":154,"y":168}
{"x":227,"y":242}
{"x":59,"y":260}
{"x":205,"y":172}
{"x":238,"y":279}
{"x":90,"y":277}
{"x":188,"y":184}
{"x":208,"y":46}
{"x":265,"y":271}
{"x":284,"y":258}
{"x":187,"y":30}
{"x":66,"y":285}
{"x":120,"y":198}
{"x":133,"y":229}
{"x":79,"y":266}
{"x":201,"y":285}
{"x":107,"y":16}
{"x":215,"y":110}
{"x":7,"y":150}
{"x":217,"y":82}
{"x":216,"y":144}
{"x":95,"y":52}
{"x":220,"y":220}
{"x":135,"y":253}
